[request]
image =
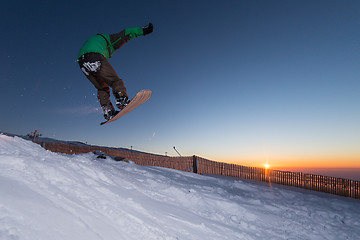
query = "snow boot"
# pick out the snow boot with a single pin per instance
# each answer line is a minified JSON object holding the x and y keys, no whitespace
{"x":121,"y":100}
{"x":109,"y":112}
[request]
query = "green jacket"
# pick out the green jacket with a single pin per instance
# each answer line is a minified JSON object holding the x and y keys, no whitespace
{"x":107,"y":44}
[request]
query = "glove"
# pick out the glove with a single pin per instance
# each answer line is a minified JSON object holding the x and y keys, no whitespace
{"x":148,"y":29}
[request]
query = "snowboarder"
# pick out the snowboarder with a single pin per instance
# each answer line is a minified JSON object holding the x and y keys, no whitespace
{"x":93,"y":60}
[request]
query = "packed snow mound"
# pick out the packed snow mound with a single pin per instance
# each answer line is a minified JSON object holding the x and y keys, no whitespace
{"x":45,"y":195}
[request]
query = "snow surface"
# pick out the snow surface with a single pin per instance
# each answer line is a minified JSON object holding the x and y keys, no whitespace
{"x":46,"y":195}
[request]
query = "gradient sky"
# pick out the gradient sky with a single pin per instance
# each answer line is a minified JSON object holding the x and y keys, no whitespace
{"x":238,"y":81}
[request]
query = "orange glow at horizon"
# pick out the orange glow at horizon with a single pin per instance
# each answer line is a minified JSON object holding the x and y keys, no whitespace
{"x":297,"y":162}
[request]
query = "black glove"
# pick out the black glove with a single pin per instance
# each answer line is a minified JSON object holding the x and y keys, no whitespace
{"x":148,"y":29}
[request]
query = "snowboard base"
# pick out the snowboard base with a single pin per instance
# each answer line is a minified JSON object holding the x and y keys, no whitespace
{"x":139,"y":99}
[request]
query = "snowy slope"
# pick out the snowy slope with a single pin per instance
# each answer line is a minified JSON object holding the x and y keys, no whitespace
{"x":45,"y":195}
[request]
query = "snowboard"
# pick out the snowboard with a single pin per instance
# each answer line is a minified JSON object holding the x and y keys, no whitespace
{"x":139,"y":99}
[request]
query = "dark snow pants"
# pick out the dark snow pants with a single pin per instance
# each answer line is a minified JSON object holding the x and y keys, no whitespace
{"x":102,"y":75}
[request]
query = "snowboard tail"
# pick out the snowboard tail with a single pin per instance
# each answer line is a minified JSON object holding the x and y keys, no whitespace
{"x":140,"y":98}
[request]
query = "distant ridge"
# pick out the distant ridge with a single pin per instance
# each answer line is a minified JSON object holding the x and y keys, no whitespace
{"x":76,"y":143}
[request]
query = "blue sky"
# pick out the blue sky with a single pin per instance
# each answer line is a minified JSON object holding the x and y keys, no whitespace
{"x":244,"y":81}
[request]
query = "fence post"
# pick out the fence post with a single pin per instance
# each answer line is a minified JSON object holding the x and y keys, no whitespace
{"x":195,"y":164}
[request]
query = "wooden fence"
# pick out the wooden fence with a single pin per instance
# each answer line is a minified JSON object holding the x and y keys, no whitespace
{"x":333,"y":185}
{"x":140,"y":158}
{"x":338,"y":186}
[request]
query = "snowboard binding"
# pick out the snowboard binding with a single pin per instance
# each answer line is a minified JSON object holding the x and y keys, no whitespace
{"x":121,"y":100}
